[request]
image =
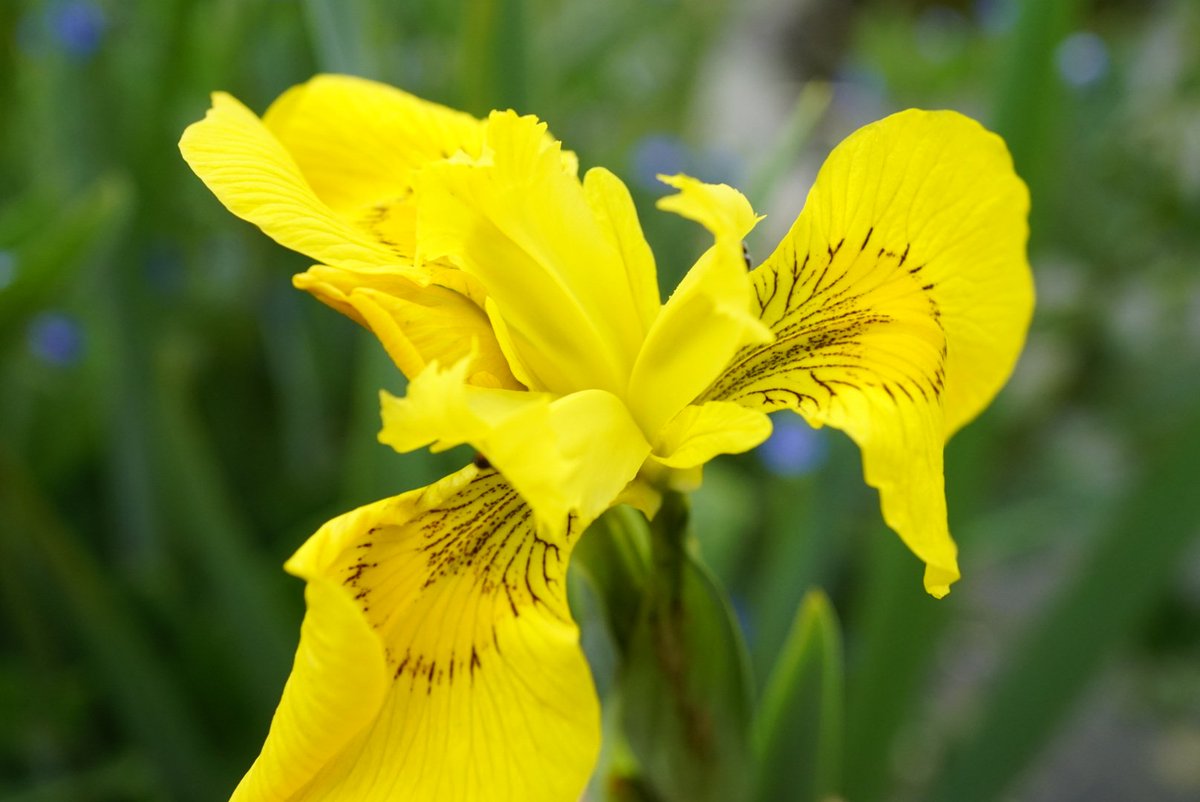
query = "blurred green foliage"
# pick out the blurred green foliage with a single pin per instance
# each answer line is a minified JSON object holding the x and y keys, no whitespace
{"x":175,"y":419}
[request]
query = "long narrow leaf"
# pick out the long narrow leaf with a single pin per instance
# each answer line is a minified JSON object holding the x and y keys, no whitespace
{"x":798,"y":729}
{"x":146,"y":695}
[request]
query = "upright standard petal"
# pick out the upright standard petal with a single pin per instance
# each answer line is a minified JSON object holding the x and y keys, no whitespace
{"x":438,"y":658}
{"x":617,"y":217}
{"x":574,"y":312}
{"x":708,"y":317}
{"x":899,"y":301}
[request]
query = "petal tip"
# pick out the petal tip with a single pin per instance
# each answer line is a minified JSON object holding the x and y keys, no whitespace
{"x":938,"y":579}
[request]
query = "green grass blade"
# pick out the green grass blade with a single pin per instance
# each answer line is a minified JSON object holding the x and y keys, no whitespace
{"x":1029,"y":101}
{"x":798,"y":729}
{"x":144,"y":691}
{"x":127,"y":776}
{"x":495,"y":55}
{"x":898,"y":623}
{"x":339,"y":31}
{"x":47,"y":256}
{"x":808,"y":110}
{"x":244,"y":586}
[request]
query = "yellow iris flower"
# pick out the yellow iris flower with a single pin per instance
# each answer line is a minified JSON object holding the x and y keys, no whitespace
{"x":438,"y":659}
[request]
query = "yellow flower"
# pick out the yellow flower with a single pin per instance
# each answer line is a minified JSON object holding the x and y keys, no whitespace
{"x":438,"y":658}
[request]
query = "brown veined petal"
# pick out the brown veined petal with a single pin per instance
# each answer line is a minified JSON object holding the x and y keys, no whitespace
{"x":438,"y":658}
{"x":900,"y":301}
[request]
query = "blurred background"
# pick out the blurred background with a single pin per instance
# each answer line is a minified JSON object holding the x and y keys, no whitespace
{"x":175,"y":418}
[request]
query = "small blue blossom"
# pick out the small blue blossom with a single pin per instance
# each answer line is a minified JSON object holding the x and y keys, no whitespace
{"x":77,"y":26}
{"x":662,"y":154}
{"x":996,"y":17}
{"x":794,"y":448}
{"x":659,"y":154}
{"x":55,"y":338}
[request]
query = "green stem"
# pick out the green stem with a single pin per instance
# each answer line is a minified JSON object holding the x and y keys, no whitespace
{"x":668,"y":539}
{"x":684,"y":685}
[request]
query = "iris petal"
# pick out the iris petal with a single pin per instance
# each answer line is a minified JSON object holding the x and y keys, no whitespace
{"x":702,"y":431}
{"x":899,"y":302}
{"x":359,"y":144}
{"x":256,"y":178}
{"x":707,"y":318}
{"x":566,"y":455}
{"x":438,"y":658}
{"x":417,"y":324}
{"x":573,"y":309}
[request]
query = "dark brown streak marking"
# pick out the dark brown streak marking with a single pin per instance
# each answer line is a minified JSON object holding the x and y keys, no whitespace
{"x":796,"y":271}
{"x":475,"y":662}
{"x":379,"y":214}
{"x":824,"y":386}
{"x":484,"y":536}
{"x":826,"y":330}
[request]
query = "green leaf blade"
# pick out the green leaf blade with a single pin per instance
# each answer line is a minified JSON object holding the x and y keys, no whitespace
{"x":798,"y":729}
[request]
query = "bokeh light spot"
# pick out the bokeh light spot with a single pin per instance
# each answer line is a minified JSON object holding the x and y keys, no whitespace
{"x":658,"y":153}
{"x":8,"y":269}
{"x":1082,"y":59}
{"x":794,"y":448}
{"x":78,"y":27}
{"x":55,"y":338}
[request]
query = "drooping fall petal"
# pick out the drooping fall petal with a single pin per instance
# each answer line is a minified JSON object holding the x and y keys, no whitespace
{"x":899,"y":301}
{"x":438,"y":658}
